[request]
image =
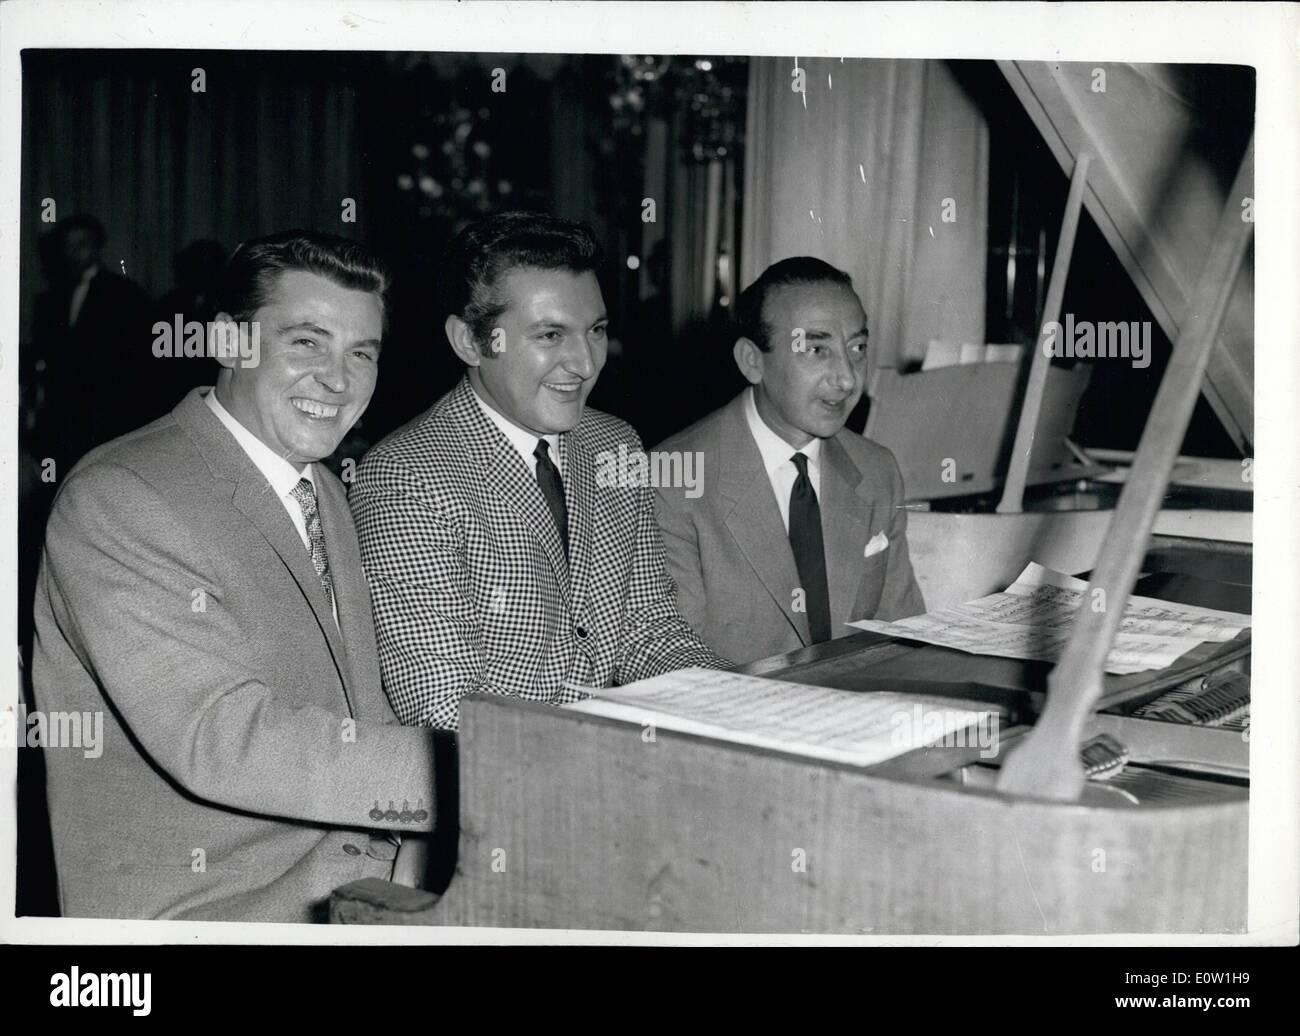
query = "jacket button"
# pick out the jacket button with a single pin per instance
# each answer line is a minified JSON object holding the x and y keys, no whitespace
{"x":581,"y":632}
{"x":351,"y":849}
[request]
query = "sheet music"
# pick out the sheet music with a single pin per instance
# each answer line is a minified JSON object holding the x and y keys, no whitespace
{"x":1032,"y":619}
{"x":841,"y":726}
{"x":1055,"y":596}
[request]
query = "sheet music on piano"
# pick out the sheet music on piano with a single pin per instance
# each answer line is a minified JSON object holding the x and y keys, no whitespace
{"x":1032,"y":618}
{"x":840,"y":726}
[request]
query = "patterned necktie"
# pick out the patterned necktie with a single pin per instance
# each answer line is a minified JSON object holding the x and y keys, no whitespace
{"x":305,"y":493}
{"x":552,"y":487}
{"x":809,"y":553}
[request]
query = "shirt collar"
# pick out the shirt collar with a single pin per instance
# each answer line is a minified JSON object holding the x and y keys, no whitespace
{"x":282,"y":475}
{"x":524,"y":441}
{"x":775,"y":450}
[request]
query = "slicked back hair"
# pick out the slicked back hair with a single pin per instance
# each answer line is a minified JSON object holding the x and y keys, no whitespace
{"x":802,"y":269}
{"x":484,"y":252}
{"x":248,"y":281}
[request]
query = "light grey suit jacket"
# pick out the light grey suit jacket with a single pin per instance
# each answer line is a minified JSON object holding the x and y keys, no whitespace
{"x":730,"y":555}
{"x":250,"y":763}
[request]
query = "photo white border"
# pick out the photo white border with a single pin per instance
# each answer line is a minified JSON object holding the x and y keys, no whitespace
{"x":1262,"y":35}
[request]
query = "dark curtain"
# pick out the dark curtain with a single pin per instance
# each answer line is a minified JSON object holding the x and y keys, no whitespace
{"x":269,"y":144}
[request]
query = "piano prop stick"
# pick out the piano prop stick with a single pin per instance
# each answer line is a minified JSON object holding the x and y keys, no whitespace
{"x":1013,"y":490}
{"x":1046,"y":763}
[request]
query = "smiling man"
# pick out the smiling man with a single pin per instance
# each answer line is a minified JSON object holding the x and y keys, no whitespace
{"x":801,"y":529}
{"x":496,"y":560}
{"x":202,"y":588}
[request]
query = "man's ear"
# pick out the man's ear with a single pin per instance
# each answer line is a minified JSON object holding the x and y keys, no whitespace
{"x":462,"y":341}
{"x":223,"y":340}
{"x":749,"y":358}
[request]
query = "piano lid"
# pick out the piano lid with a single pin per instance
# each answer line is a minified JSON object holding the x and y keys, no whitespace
{"x":1162,"y":167}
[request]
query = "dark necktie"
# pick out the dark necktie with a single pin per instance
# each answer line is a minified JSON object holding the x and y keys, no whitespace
{"x":809,"y":554}
{"x":305,"y":493}
{"x":552,"y":487}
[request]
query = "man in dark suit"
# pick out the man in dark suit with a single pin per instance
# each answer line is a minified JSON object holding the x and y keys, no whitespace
{"x":92,"y":339}
{"x":497,"y":559}
{"x":201,"y":592}
{"x":798,"y":525}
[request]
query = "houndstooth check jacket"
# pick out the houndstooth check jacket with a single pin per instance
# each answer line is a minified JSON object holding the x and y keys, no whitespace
{"x":468,"y":577}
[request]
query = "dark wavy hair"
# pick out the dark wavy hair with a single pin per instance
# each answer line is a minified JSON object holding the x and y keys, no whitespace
{"x":483,"y":252}
{"x":249,"y":278}
{"x":801,"y":269}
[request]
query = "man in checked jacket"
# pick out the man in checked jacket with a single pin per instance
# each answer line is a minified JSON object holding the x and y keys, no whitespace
{"x":498,"y":560}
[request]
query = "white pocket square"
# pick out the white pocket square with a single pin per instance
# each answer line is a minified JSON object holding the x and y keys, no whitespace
{"x":877,"y":543}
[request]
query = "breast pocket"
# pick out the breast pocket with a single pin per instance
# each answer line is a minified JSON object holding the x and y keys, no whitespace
{"x":871,"y":585}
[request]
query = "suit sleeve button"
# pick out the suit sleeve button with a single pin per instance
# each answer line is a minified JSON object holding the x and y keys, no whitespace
{"x":376,"y":814}
{"x":420,"y":816}
{"x":351,"y":849}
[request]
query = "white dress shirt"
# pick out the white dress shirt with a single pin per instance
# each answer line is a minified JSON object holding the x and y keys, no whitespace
{"x":282,"y":475}
{"x":522,"y":440}
{"x":776,"y":453}
{"x":79,"y":295}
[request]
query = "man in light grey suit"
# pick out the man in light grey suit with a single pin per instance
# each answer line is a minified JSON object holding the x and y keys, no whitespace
{"x":798,"y":526}
{"x":201,"y":587}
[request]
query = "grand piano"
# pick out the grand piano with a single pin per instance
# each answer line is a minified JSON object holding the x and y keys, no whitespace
{"x":568,"y":820}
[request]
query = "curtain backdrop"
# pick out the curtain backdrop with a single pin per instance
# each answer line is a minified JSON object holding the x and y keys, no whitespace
{"x":266,"y":146}
{"x":855,"y":170}
{"x":694,"y":203}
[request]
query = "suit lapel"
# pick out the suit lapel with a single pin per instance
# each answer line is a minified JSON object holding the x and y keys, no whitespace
{"x":259,"y":504}
{"x":352,"y":599}
{"x":508,"y":477}
{"x":256,"y":500}
{"x":753,"y":518}
{"x":579,"y":489}
{"x":845,"y":527}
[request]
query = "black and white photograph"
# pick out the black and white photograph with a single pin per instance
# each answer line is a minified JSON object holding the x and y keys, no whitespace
{"x":645,"y":473}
